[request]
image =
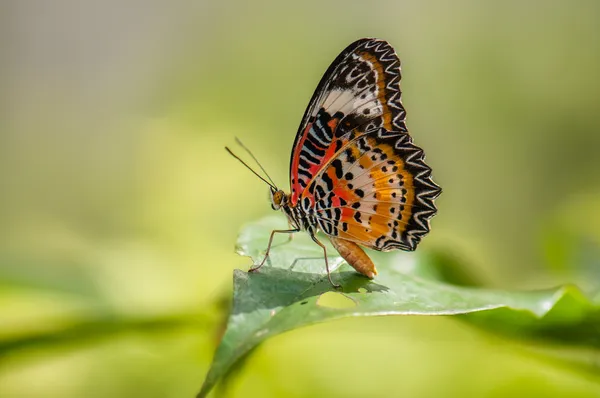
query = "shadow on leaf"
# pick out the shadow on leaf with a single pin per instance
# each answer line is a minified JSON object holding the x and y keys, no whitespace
{"x":272,"y":288}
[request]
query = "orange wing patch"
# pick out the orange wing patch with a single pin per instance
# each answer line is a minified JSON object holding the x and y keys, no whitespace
{"x":368,"y":193}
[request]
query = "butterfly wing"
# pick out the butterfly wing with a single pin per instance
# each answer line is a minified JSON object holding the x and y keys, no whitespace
{"x":354,"y":166}
{"x":377,"y":192}
{"x":360,"y":91}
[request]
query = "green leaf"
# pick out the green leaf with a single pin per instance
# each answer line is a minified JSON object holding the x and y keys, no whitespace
{"x":292,"y":291}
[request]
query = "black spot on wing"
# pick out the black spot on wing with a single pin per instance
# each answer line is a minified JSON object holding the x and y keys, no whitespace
{"x":337,"y":165}
{"x":357,"y":216}
{"x":328,"y":181}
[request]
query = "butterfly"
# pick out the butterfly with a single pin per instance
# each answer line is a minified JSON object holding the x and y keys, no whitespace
{"x":355,"y":173}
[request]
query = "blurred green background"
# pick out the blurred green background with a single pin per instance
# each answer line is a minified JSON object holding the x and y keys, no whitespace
{"x":119,"y":207}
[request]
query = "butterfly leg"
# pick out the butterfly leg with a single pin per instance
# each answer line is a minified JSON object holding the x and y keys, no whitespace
{"x":290,"y":236}
{"x":277,"y":231}
{"x":326,"y":262}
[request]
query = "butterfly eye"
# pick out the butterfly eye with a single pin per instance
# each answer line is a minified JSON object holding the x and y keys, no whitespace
{"x":276,"y":200}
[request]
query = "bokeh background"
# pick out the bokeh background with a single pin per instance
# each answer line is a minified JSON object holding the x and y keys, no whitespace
{"x":119,"y":207}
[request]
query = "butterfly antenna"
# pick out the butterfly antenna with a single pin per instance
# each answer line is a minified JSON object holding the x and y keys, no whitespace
{"x":250,"y":168}
{"x":253,"y":157}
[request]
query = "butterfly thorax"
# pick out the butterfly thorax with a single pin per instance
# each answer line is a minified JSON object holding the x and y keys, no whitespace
{"x":303,"y":219}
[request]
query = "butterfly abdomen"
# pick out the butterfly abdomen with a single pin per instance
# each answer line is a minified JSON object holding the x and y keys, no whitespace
{"x":355,"y":256}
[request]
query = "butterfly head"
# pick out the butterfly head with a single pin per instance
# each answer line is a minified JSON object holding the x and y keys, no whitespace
{"x":278,"y":198}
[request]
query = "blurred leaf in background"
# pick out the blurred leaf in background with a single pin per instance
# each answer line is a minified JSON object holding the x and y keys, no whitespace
{"x":119,"y":208}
